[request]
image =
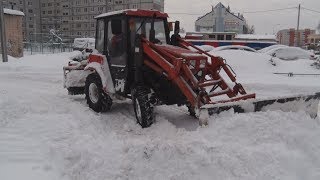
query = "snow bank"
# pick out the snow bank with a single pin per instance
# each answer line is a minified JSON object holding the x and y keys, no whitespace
{"x":290,"y":53}
{"x":256,"y":73}
{"x":256,"y":37}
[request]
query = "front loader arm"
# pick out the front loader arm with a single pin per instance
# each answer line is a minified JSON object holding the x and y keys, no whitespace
{"x":193,"y":74}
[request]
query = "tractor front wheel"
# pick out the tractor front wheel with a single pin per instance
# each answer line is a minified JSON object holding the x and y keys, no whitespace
{"x":96,"y":98}
{"x":191,"y":110}
{"x":142,"y":106}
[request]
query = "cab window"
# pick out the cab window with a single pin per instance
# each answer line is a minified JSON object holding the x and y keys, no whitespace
{"x":100,"y":35}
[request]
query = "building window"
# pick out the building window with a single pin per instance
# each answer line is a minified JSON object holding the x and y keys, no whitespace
{"x":220,"y":37}
{"x":228,"y":37}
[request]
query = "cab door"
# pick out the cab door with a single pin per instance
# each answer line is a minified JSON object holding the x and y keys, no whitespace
{"x":117,"y":51}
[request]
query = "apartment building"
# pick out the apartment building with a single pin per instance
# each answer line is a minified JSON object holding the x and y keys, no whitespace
{"x":69,"y":19}
{"x":291,"y":37}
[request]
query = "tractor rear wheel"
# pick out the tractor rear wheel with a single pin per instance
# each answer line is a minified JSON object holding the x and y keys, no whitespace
{"x":142,"y":107}
{"x":96,"y":98}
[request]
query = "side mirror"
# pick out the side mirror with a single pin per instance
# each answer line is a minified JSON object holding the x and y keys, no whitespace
{"x":177,"y":27}
{"x":116,"y":26}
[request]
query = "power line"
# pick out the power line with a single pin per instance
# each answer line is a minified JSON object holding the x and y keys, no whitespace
{"x":311,"y":10}
{"x":247,"y":12}
{"x":270,"y":10}
{"x":191,"y":14}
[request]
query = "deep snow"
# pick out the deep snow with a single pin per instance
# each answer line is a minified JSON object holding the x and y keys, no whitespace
{"x":46,"y":134}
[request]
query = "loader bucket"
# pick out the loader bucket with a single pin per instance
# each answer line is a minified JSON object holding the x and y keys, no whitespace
{"x":308,"y":103}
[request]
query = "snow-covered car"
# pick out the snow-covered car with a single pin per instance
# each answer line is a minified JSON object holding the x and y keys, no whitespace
{"x":316,"y":63}
{"x":206,"y":48}
{"x":291,"y":53}
{"x":317,"y":55}
{"x":269,"y":48}
{"x":234,"y":47}
{"x":83,"y":43}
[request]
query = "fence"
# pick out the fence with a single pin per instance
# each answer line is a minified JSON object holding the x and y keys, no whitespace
{"x":31,"y":48}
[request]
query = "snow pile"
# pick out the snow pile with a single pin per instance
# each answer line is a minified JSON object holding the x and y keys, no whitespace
{"x":13,"y":12}
{"x":256,"y":74}
{"x":83,"y":43}
{"x":234,"y":47}
{"x":206,"y":48}
{"x":265,"y":50}
{"x":10,"y":58}
{"x":290,"y":53}
{"x":47,"y":135}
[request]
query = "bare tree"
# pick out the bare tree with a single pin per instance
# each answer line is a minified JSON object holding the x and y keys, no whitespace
{"x":251,"y":30}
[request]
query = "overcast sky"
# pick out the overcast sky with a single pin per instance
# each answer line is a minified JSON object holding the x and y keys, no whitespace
{"x":264,"y":22}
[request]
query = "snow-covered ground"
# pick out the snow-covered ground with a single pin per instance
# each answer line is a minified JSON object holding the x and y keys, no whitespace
{"x":46,"y":134}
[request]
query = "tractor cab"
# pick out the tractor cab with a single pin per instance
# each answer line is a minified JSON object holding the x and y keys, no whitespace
{"x":116,"y":36}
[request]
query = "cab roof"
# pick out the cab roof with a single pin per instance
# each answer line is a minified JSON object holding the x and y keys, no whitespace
{"x":134,"y":12}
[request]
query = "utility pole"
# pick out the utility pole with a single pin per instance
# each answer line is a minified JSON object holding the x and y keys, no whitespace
{"x":3,"y":35}
{"x":298,"y":26}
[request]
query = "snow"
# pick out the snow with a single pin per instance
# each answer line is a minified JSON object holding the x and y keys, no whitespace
{"x":84,"y":43}
{"x":47,"y":135}
{"x":255,"y":73}
{"x":13,"y":12}
{"x":264,"y":50}
{"x":114,"y":13}
{"x":234,"y":47}
{"x":290,"y":53}
{"x":256,"y":37}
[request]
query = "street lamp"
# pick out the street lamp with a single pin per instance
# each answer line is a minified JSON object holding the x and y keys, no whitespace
{"x":35,"y":27}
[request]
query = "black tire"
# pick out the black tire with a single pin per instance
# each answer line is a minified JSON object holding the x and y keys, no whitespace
{"x":75,"y":90}
{"x":96,"y":98}
{"x":142,"y":106}
{"x":191,"y":110}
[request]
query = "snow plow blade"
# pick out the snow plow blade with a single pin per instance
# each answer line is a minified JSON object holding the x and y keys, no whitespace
{"x":308,"y":103}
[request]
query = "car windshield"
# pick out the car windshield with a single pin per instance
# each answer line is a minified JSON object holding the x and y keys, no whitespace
{"x":145,"y":26}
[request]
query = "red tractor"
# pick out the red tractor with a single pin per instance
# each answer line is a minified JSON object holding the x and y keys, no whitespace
{"x":136,"y":58}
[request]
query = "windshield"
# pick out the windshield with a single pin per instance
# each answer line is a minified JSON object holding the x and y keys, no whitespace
{"x":145,"y":26}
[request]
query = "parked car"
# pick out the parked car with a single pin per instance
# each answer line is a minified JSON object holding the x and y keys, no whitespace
{"x":291,"y":53}
{"x":83,"y":43}
{"x":264,"y":50}
{"x":235,"y":47}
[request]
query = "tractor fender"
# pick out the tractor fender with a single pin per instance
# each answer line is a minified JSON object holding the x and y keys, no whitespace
{"x":102,"y":68}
